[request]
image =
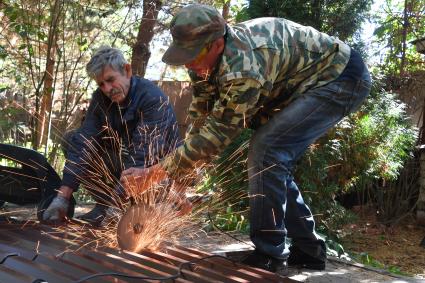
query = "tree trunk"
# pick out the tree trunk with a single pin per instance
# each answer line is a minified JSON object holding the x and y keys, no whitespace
{"x":46,"y":94}
{"x":316,"y":13}
{"x":226,"y":9}
{"x":141,"y":52}
{"x":404,"y":39}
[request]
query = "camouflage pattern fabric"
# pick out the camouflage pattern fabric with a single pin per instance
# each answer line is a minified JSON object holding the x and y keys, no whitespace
{"x":267,"y":63}
{"x":194,"y":26}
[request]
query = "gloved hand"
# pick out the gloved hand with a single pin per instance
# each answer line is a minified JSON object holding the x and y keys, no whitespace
{"x":57,"y":209}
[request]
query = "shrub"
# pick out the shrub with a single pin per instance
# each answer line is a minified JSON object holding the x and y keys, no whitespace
{"x":227,"y":182}
{"x":371,"y":144}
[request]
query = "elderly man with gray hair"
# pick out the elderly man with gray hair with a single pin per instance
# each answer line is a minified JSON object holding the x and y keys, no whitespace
{"x":129,"y":123}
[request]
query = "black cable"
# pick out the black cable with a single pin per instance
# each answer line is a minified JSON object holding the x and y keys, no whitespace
{"x":226,"y":233}
{"x":181,"y":266}
{"x":116,"y":274}
{"x":171,"y":277}
{"x":365,"y":267}
{"x":7,"y":256}
{"x":16,"y":254}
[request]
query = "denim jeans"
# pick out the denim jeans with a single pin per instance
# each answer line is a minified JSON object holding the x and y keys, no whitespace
{"x":277,"y":209}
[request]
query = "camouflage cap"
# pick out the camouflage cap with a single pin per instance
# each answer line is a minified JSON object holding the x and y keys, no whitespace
{"x":192,"y":28}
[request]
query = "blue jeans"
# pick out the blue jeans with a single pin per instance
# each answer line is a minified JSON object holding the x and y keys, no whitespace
{"x":277,"y":209}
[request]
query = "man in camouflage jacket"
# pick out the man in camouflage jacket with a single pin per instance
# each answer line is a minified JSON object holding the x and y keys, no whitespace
{"x":291,"y":84}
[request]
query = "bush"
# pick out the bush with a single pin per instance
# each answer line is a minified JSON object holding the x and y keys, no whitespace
{"x":372,"y":144}
{"x":369,"y":145}
{"x":227,"y":182}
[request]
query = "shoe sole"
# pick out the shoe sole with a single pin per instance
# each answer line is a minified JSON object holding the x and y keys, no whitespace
{"x":318,"y":266}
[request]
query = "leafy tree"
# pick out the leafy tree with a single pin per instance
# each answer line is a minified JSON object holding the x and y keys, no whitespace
{"x":399,"y":22}
{"x":336,"y":17}
{"x":45,"y":44}
{"x":44,"y":47}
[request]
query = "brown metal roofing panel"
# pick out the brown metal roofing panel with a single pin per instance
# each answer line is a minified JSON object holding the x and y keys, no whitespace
{"x":216,"y":266}
{"x":11,"y":276}
{"x":206,"y":272}
{"x":85,"y":261}
{"x":93,"y":261}
{"x":31,"y":251}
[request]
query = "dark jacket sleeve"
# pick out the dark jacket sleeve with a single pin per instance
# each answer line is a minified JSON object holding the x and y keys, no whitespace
{"x":156,"y":133}
{"x":79,"y":141}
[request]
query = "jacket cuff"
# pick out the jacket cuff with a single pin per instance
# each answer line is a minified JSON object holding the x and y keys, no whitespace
{"x":70,"y":181}
{"x":170,"y":166}
{"x":179,"y":169}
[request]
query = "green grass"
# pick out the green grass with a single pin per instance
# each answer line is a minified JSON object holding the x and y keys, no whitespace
{"x":366,"y":259}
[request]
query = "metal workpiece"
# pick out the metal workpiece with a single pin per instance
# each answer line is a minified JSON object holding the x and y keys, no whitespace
{"x":31,"y":252}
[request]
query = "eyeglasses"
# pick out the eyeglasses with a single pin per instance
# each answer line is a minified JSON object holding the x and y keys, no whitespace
{"x":201,"y":56}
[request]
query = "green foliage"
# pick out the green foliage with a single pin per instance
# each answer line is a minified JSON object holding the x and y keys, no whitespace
{"x":228,"y":181}
{"x":337,"y":17}
{"x":241,"y":13}
{"x":369,"y":145}
{"x":228,"y":221}
{"x":398,"y":23}
{"x":366,"y":259}
{"x":330,"y":217}
{"x":83,"y":196}
{"x":11,"y":129}
{"x":44,"y":46}
{"x":228,"y":175}
{"x":3,"y":53}
{"x":333,"y":246}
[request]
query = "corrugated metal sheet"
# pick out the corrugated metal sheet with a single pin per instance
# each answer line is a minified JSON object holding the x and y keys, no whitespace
{"x":37,"y":253}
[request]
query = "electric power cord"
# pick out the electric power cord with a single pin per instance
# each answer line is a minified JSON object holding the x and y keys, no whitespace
{"x":163,"y":278}
{"x":226,"y":233}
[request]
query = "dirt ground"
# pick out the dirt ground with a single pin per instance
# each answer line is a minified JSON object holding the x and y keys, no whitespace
{"x":396,"y":246}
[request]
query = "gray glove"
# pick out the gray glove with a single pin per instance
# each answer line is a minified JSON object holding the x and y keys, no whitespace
{"x":57,"y":209}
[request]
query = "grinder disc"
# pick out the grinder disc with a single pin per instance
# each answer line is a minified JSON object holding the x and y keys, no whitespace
{"x":132,"y":229}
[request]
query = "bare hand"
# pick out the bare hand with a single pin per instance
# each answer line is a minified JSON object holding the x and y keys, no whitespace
{"x":177,"y":196}
{"x":138,"y":180}
{"x":134,"y":180}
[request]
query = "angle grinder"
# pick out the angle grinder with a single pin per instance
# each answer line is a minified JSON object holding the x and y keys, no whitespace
{"x":134,"y":228}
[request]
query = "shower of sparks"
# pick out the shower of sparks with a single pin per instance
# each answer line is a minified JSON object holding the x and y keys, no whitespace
{"x":170,"y":217}
{"x":169,"y":214}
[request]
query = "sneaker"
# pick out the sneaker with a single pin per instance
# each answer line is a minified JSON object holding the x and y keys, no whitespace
{"x":266,"y":262}
{"x":300,"y":259}
{"x":96,"y":215}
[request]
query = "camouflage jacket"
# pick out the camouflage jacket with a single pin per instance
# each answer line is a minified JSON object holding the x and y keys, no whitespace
{"x":266,"y":63}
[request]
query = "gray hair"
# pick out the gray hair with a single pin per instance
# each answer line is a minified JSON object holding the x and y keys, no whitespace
{"x":105,"y":56}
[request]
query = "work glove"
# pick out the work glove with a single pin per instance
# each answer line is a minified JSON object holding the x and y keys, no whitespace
{"x":57,"y":209}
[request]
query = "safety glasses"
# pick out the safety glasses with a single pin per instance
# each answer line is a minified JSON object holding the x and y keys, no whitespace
{"x":201,"y":56}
